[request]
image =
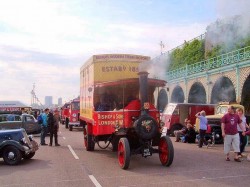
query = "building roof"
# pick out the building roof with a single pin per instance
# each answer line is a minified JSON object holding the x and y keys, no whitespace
{"x":12,"y":104}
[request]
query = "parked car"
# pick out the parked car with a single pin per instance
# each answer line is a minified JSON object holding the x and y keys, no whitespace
{"x":175,"y":114}
{"x":14,"y":121}
{"x":15,"y":144}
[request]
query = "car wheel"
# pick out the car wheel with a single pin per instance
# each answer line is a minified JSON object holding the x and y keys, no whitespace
{"x":12,"y":155}
{"x":123,"y":153}
{"x":29,"y":156}
{"x":88,"y":140}
{"x":166,"y":151}
{"x":70,"y":128}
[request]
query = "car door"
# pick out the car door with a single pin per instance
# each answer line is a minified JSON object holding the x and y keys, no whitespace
{"x":30,"y":124}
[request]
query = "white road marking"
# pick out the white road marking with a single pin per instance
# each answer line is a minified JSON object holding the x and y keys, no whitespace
{"x":63,"y":137}
{"x":93,"y":179}
{"x":73,"y":152}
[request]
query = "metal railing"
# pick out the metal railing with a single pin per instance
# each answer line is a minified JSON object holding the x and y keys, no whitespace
{"x":200,"y":37}
{"x":233,"y":57}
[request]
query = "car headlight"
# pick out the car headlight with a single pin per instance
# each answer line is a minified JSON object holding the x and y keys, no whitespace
{"x":31,"y":137}
{"x":23,"y":140}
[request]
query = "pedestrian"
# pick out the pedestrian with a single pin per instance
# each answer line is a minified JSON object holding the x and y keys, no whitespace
{"x":54,"y":126}
{"x":44,"y":126}
{"x":203,"y":127}
{"x":11,"y":117}
{"x":243,"y":139}
{"x":190,"y":135}
{"x":182,"y":132}
{"x":229,"y":123}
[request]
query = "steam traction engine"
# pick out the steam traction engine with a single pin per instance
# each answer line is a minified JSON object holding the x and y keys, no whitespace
{"x":131,"y":124}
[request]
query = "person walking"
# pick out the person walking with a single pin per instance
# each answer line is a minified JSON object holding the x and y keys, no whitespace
{"x":229,"y":123}
{"x":243,"y":139}
{"x":44,"y":126}
{"x":54,"y":126}
{"x":203,"y":127}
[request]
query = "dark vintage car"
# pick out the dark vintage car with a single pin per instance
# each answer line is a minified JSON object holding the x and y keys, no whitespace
{"x":14,"y":121}
{"x":15,"y":144}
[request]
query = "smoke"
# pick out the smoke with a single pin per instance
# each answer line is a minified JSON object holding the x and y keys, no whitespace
{"x":232,"y":27}
{"x":157,"y":67}
{"x":229,"y":8}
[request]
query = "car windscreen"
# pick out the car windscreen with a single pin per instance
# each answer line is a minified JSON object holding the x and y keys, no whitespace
{"x":75,"y":106}
{"x":171,"y":110}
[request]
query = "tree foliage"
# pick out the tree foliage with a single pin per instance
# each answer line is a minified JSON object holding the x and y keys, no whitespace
{"x":190,"y":52}
{"x":194,"y":51}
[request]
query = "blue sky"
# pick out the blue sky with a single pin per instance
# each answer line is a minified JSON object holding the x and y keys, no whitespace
{"x":46,"y":41}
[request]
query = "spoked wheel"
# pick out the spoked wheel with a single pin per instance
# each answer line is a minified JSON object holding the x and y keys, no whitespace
{"x":123,"y":153}
{"x":166,"y":151}
{"x":12,"y":155}
{"x":88,"y":140}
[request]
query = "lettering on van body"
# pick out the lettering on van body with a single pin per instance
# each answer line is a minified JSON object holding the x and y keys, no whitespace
{"x":110,"y":119}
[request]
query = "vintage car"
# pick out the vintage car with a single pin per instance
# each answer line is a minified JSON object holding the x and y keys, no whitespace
{"x":15,"y":144}
{"x":14,"y":121}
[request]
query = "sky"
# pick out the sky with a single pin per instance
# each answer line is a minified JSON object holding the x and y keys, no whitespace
{"x":43,"y":43}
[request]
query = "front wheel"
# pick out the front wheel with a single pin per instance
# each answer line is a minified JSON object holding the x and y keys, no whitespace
{"x":70,"y":128}
{"x":166,"y":151}
{"x":12,"y":155}
{"x":123,"y":153}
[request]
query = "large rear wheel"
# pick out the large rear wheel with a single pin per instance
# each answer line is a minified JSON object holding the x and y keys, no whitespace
{"x":166,"y":151}
{"x":88,"y":140}
{"x":123,"y":153}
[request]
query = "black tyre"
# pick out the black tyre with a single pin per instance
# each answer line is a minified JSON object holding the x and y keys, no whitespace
{"x":217,"y":136}
{"x":146,"y":127}
{"x":12,"y":155}
{"x":166,"y":151}
{"x":29,"y":156}
{"x":70,"y":128}
{"x":88,"y":140}
{"x":123,"y":153}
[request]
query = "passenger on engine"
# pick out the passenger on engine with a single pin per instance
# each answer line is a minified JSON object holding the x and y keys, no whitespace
{"x":133,"y":102}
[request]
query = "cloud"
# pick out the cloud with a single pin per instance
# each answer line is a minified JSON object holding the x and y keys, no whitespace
{"x":46,"y":42}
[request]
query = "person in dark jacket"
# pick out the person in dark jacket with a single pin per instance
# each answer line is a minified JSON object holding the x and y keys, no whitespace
{"x":53,"y":121}
{"x":182,"y":132}
{"x":190,"y":135}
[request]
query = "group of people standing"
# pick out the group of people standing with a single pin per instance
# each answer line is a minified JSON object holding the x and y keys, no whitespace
{"x":50,"y":122}
{"x":233,"y":127}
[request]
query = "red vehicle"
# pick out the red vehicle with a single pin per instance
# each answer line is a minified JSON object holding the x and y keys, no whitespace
{"x":65,"y":114}
{"x":73,"y":115}
{"x":111,"y":111}
{"x":175,"y":113}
